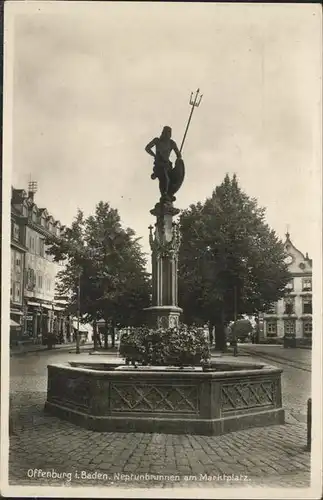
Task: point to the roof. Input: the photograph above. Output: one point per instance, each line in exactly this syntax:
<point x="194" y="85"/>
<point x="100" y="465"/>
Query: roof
<point x="288" y="243"/>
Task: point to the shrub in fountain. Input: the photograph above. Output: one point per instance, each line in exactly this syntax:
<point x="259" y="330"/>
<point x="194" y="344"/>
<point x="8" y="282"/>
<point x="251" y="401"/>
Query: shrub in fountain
<point x="180" y="346"/>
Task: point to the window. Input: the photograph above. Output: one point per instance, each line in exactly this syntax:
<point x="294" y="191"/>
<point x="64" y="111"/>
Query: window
<point x="17" y="292"/>
<point x="31" y="243"/>
<point x="307" y="284"/>
<point x="289" y="305"/>
<point x="272" y="309"/>
<point x="40" y="281"/>
<point x="307" y="305"/>
<point x="290" y="285"/>
<point x="15" y="232"/>
<point x="289" y="327"/>
<point x="30" y="279"/>
<point x="271" y="329"/>
<point x="307" y="329"/>
<point x="41" y="247"/>
<point x="34" y="215"/>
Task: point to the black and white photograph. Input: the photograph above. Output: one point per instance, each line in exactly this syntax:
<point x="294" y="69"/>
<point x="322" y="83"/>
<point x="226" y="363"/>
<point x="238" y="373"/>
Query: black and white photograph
<point x="161" y="250"/>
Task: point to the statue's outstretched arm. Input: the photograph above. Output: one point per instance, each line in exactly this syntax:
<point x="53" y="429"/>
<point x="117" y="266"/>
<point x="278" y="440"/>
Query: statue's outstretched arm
<point x="151" y="145"/>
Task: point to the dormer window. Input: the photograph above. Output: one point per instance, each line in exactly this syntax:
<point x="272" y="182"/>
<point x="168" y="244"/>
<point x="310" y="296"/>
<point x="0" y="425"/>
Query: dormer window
<point x="34" y="215"/>
<point x="24" y="210"/>
<point x="50" y="222"/>
<point x="57" y="228"/>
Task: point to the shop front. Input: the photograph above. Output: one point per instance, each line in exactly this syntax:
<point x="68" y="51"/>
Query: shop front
<point x="35" y="322"/>
<point x="16" y="330"/>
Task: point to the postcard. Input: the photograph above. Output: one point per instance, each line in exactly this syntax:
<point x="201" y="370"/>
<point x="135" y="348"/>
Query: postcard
<point x="162" y="250"/>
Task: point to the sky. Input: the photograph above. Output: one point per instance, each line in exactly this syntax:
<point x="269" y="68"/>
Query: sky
<point x="90" y="84"/>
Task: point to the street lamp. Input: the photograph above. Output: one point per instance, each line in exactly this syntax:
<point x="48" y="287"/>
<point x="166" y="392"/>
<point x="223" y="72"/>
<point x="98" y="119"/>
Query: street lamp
<point x="78" y="312"/>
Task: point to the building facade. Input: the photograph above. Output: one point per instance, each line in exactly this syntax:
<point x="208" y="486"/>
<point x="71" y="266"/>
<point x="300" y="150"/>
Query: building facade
<point x="34" y="273"/>
<point x="290" y="319"/>
<point x="18" y="252"/>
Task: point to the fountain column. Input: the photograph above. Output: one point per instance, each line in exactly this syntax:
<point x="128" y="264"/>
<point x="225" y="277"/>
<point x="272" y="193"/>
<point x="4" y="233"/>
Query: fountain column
<point x="164" y="242"/>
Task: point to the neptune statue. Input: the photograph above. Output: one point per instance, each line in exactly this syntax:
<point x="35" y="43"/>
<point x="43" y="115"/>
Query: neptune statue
<point x="170" y="178"/>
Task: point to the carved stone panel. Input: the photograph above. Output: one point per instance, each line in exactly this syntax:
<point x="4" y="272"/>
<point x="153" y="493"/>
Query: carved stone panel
<point x="162" y="322"/>
<point x="154" y="398"/>
<point x="167" y="321"/>
<point x="173" y="321"/>
<point x="247" y="395"/>
<point x="71" y="390"/>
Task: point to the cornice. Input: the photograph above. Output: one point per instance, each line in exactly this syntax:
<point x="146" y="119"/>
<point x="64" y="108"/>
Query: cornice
<point x="40" y="229"/>
<point x="305" y="274"/>
<point x="18" y="245"/>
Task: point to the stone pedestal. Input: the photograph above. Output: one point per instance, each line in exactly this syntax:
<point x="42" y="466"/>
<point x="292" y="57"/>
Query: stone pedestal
<point x="164" y="243"/>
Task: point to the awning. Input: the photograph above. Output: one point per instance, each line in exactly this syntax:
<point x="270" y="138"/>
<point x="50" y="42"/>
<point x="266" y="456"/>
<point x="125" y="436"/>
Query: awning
<point x="46" y="306"/>
<point x="16" y="312"/>
<point x="57" y="308"/>
<point x="14" y="323"/>
<point x="82" y="328"/>
<point x="33" y="304"/>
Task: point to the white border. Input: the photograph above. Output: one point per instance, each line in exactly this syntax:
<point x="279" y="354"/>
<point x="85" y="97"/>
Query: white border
<point x="315" y="491"/>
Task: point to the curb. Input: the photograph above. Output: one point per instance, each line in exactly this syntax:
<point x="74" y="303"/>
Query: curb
<point x="271" y="356"/>
<point x="64" y="347"/>
<point x="43" y="349"/>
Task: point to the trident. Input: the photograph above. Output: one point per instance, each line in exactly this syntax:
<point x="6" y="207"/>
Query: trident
<point x="195" y="104"/>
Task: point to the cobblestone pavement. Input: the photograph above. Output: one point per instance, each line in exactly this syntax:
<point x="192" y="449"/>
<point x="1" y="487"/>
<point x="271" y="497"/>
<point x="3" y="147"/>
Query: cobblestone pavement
<point x="271" y="456"/>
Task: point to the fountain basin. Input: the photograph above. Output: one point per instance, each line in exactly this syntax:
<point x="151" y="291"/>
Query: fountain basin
<point x="107" y="397"/>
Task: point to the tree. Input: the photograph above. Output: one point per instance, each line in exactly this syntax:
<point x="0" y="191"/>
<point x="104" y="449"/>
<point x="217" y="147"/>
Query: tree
<point x="230" y="262"/>
<point x="108" y="262"/>
<point x="241" y="328"/>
